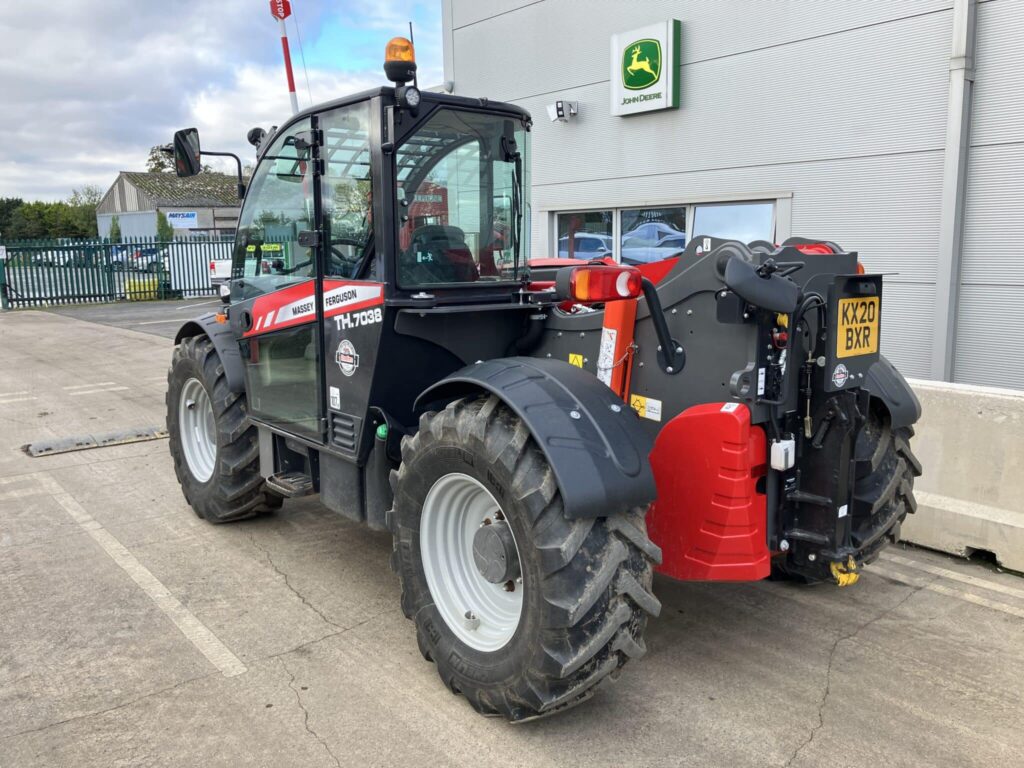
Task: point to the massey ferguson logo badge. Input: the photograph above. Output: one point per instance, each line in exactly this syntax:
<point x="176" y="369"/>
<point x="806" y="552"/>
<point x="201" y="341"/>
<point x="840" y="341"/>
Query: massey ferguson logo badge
<point x="840" y="375"/>
<point x="641" y="64"/>
<point x="346" y="357"/>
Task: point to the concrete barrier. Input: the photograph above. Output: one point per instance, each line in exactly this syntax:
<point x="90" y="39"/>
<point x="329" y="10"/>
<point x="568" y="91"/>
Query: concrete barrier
<point x="970" y="441"/>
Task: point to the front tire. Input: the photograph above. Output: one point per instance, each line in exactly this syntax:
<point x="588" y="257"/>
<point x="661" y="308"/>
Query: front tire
<point x="584" y="586"/>
<point x="214" y="446"/>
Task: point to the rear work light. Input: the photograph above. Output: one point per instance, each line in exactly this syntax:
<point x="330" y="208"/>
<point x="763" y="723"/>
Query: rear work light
<point x="598" y="283"/>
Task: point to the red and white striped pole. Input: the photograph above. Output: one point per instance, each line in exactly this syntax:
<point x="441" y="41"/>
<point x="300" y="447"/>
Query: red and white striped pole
<point x="281" y="10"/>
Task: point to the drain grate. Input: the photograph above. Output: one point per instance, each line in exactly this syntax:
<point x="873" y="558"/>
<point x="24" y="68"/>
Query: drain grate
<point x="87" y="442"/>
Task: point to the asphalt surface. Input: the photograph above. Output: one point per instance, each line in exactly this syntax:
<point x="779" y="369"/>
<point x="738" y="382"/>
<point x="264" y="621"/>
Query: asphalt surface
<point x="158" y="318"/>
<point x="133" y="633"/>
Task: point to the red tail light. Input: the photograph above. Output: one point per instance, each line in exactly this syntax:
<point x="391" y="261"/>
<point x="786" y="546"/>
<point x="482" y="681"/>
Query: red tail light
<point x="593" y="283"/>
<point x="213" y="266"/>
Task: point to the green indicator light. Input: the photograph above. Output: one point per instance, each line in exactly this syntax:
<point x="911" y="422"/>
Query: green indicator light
<point x="382" y="432"/>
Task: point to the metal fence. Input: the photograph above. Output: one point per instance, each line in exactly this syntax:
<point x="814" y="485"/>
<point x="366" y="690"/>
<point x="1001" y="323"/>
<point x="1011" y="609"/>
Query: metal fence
<point x="47" y="272"/>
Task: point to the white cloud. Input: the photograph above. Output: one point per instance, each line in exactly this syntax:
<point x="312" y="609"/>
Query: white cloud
<point x="90" y="86"/>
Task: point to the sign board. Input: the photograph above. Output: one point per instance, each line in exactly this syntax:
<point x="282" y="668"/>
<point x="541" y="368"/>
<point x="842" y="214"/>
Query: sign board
<point x="182" y="219"/>
<point x="280" y="9"/>
<point x="645" y="69"/>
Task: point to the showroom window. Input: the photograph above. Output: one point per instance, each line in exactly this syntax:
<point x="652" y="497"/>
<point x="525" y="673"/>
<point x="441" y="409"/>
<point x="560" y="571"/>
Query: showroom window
<point x="643" y="235"/>
<point x="736" y="221"/>
<point x="585" y="234"/>
<point x="651" y="234"/>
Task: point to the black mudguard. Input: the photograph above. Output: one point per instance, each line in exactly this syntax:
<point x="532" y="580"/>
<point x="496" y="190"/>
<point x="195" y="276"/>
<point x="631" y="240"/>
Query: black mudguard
<point x="888" y="385"/>
<point x="593" y="441"/>
<point x="224" y="342"/>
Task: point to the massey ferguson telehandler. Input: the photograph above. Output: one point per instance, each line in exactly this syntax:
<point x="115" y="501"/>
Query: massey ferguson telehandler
<point x="538" y="439"/>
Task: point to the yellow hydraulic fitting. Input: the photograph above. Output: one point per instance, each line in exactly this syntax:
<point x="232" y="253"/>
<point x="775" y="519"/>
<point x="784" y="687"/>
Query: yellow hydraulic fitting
<point x="846" y="573"/>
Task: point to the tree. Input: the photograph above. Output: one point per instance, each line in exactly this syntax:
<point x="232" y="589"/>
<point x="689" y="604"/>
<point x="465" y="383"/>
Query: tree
<point x="8" y="205"/>
<point x="164" y="230"/>
<point x="115" y="230"/>
<point x="89" y="195"/>
<point x="159" y="161"/>
<point x="33" y="221"/>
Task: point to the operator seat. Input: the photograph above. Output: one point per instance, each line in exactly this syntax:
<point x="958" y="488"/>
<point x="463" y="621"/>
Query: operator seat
<point x="442" y="250"/>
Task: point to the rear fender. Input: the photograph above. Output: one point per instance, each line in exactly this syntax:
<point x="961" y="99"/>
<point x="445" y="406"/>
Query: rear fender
<point x="888" y="385"/>
<point x="224" y="342"/>
<point x="594" y="443"/>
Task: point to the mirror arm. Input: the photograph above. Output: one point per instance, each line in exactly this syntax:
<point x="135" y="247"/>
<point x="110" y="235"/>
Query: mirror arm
<point x="238" y="162"/>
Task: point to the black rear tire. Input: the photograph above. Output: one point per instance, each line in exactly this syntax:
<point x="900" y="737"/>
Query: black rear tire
<point x="586" y="583"/>
<point x="883" y="493"/>
<point x="236" y="490"/>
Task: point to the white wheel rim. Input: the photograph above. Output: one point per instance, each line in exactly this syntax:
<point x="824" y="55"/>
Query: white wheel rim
<point x="455" y="508"/>
<point x="198" y="430"/>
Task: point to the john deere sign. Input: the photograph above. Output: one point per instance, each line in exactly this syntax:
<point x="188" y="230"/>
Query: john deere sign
<point x="645" y="69"/>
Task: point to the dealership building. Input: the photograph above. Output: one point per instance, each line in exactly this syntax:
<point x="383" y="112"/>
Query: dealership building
<point x="895" y="129"/>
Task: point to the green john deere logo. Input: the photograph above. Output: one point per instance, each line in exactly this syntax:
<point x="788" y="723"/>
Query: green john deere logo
<point x="641" y="64"/>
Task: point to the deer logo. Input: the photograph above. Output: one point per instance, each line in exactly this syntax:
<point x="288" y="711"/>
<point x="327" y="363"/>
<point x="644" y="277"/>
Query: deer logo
<point x="641" y="64"/>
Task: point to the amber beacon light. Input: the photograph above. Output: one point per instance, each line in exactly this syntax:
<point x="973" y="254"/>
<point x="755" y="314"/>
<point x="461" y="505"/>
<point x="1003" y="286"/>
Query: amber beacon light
<point x="399" y="60"/>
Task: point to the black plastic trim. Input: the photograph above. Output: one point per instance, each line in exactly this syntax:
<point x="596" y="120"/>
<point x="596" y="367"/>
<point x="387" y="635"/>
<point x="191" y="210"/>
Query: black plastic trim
<point x="224" y="342"/>
<point x="888" y="385"/>
<point x="599" y="456"/>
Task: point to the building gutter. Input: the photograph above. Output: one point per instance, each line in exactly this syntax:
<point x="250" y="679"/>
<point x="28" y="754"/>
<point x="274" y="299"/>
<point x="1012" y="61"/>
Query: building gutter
<point x="954" y="187"/>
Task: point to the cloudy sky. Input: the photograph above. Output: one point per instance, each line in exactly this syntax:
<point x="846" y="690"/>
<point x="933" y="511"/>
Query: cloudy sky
<point x="90" y="85"/>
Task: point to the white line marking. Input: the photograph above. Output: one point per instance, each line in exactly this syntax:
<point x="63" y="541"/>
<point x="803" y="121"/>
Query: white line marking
<point x="14" y="394"/>
<point x="977" y="600"/>
<point x="200" y="304"/>
<point x="94" y="391"/>
<point x="942" y="589"/>
<point x="96" y="384"/>
<point x="158" y="322"/>
<point x="192" y="628"/>
<point x="16" y="400"/>
<point x="955" y="576"/>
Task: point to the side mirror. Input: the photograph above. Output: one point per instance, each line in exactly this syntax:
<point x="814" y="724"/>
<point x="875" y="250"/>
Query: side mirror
<point x="187" y="160"/>
<point x="772" y="291"/>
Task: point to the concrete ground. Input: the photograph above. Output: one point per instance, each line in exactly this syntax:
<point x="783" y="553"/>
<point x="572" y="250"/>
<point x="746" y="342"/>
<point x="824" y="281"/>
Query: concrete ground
<point x="133" y="633"/>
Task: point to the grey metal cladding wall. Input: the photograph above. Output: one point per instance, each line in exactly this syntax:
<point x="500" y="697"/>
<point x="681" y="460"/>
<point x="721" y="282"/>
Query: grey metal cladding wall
<point x="842" y="104"/>
<point x="869" y="91"/>
<point x="547" y="46"/>
<point x="990" y="320"/>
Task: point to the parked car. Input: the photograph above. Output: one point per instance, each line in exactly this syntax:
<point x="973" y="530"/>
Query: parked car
<point x="587" y="245"/>
<point x="150" y="259"/>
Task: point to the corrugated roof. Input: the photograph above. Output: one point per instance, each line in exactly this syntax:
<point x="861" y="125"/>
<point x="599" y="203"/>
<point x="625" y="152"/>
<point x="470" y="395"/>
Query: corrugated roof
<point x="203" y="190"/>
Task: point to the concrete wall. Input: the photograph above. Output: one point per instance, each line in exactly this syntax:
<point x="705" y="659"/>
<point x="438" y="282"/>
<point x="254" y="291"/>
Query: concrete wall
<point x="971" y="496"/>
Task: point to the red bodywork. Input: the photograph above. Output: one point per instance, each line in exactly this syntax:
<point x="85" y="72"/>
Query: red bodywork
<point x="709" y="518"/>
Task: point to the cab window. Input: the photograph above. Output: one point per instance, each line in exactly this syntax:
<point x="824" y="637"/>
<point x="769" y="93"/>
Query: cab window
<point x="278" y="206"/>
<point x="461" y="200"/>
<point x="346" y="191"/>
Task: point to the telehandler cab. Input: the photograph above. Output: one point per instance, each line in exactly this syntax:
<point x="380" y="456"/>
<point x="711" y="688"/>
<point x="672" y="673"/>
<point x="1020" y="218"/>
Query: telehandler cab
<point x="537" y="438"/>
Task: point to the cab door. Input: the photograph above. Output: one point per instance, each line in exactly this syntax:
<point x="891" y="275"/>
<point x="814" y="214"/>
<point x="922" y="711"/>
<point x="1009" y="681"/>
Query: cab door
<point x="274" y="288"/>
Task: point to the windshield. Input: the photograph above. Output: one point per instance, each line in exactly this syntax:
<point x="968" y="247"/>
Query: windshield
<point x="461" y="200"/>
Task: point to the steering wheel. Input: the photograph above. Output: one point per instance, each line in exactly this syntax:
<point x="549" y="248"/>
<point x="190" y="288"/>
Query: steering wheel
<point x="339" y="261"/>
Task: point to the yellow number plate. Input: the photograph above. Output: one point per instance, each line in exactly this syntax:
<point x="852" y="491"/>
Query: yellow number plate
<point x="858" y="327"/>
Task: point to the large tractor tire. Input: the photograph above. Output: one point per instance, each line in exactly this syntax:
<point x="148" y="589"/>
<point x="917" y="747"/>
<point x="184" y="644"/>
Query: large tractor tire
<point x="883" y="493"/>
<point x="214" y="446"/>
<point x="523" y="610"/>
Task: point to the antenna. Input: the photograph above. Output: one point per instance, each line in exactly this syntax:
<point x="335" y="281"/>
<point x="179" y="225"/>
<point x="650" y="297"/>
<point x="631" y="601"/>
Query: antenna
<point x="415" y="80"/>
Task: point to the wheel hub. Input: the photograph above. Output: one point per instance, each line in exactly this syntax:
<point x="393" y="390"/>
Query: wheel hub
<point x="198" y="430"/>
<point x="473" y="573"/>
<point x="494" y="552"/>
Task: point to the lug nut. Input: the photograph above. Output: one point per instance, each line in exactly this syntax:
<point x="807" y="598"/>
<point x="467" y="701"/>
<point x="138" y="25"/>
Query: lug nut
<point x="472" y="622"/>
